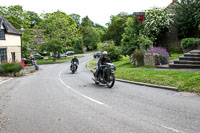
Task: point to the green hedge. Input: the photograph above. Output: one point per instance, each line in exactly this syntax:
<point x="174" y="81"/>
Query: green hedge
<point x="190" y="43"/>
<point x="11" y="67"/>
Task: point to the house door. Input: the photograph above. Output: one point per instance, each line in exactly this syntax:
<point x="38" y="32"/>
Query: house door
<point x="13" y="56"/>
<point x="3" y="54"/>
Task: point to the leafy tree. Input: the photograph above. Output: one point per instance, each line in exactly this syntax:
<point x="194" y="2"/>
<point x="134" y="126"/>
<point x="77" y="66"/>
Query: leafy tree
<point x="91" y="33"/>
<point x="188" y="18"/>
<point x="15" y="15"/>
<point x="114" y="52"/>
<point x="157" y="22"/>
<point x="90" y="37"/>
<point x="87" y="22"/>
<point x="76" y="18"/>
<point x="116" y="28"/>
<point x="59" y="31"/>
<point x="33" y="19"/>
<point x="130" y="37"/>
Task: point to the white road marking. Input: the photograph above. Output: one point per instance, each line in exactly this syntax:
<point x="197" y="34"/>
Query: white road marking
<point x="172" y="129"/>
<point x="89" y="98"/>
<point x="5" y="81"/>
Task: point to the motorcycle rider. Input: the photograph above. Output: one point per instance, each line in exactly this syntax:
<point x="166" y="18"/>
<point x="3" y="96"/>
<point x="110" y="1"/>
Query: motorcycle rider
<point x="102" y="61"/>
<point x="75" y="59"/>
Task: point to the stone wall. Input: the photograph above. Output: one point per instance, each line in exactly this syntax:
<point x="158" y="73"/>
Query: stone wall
<point x="151" y="59"/>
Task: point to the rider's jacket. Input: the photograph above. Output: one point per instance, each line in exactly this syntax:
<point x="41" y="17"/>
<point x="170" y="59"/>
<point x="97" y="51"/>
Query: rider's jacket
<point x="74" y="60"/>
<point x="103" y="61"/>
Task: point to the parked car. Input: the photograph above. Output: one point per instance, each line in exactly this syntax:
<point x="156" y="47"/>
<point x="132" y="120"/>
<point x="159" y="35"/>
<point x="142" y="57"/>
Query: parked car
<point x="69" y="53"/>
<point x="63" y="55"/>
<point x="36" y="56"/>
<point x="97" y="54"/>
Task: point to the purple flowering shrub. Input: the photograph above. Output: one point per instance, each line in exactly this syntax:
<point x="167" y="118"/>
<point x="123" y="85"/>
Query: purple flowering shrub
<point x="164" y="55"/>
<point x="158" y="50"/>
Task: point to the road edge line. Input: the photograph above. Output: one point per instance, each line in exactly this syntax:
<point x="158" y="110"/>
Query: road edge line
<point x="4" y="81"/>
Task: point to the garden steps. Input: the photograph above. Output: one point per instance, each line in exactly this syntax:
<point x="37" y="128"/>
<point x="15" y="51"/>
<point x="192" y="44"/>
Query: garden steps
<point x="189" y="60"/>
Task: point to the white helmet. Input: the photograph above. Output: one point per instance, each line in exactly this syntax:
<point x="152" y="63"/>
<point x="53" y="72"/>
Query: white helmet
<point x="105" y="53"/>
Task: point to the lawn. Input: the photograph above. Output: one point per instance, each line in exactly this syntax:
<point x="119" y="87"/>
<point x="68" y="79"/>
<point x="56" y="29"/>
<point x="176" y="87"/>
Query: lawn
<point x="174" y="55"/>
<point x="50" y="61"/>
<point x="184" y="81"/>
<point x="125" y="62"/>
<point x="92" y="63"/>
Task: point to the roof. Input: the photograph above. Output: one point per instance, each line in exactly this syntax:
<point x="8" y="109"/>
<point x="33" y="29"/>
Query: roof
<point x="139" y="13"/>
<point x="10" y="29"/>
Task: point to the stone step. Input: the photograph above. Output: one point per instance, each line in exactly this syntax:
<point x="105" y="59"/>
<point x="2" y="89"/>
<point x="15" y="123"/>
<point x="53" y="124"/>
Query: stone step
<point x="191" y="55"/>
<point x="192" y="66"/>
<point x="186" y="62"/>
<point x="195" y="52"/>
<point x="189" y="58"/>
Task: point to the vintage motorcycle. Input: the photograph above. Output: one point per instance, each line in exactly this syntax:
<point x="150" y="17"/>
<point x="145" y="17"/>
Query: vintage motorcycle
<point x="107" y="76"/>
<point x="74" y="67"/>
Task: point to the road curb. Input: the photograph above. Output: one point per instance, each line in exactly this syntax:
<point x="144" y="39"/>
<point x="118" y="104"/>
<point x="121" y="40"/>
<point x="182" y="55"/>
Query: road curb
<point x="143" y="84"/>
<point x="149" y="85"/>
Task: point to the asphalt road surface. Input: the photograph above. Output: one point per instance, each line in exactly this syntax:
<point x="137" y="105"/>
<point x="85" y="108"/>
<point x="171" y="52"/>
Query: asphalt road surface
<point x="53" y="100"/>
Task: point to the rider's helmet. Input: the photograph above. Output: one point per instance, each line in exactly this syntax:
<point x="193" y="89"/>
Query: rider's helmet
<point x="105" y="53"/>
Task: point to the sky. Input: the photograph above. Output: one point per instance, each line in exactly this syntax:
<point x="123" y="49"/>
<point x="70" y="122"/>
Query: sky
<point x="99" y="11"/>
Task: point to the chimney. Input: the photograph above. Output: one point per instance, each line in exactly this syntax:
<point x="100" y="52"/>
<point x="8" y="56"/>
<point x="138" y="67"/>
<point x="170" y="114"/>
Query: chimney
<point x="173" y="1"/>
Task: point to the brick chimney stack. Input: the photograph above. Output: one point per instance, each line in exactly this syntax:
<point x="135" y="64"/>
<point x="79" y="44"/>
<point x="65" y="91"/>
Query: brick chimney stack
<point x="173" y="1"/>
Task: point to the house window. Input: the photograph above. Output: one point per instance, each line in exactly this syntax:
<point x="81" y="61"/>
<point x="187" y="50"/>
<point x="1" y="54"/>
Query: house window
<point x="13" y="56"/>
<point x="3" y="54"/>
<point x="2" y="35"/>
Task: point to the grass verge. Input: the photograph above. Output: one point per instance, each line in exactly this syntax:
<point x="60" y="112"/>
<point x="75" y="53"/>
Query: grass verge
<point x="50" y="61"/>
<point x="184" y="81"/>
<point x="174" y="55"/>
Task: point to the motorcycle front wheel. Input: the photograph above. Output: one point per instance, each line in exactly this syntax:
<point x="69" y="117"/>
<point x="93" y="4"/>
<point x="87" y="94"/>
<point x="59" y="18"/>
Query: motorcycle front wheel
<point x="110" y="81"/>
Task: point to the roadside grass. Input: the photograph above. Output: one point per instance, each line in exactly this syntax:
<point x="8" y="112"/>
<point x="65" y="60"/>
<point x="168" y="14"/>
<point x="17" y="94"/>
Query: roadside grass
<point x="50" y="61"/>
<point x="125" y="62"/>
<point x="92" y="63"/>
<point x="175" y="55"/>
<point x="184" y="81"/>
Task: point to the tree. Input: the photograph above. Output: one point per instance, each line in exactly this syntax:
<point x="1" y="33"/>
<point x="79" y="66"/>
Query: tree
<point x="157" y="22"/>
<point x="114" y="52"/>
<point x="76" y="18"/>
<point x="33" y="19"/>
<point x="90" y="37"/>
<point x="87" y="22"/>
<point x="59" y="31"/>
<point x="91" y="33"/>
<point x="15" y="15"/>
<point x="130" y="37"/>
<point x="187" y="18"/>
<point x="116" y="28"/>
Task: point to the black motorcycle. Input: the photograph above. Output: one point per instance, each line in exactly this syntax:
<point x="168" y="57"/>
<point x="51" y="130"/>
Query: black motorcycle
<point x="74" y="67"/>
<point x="107" y="76"/>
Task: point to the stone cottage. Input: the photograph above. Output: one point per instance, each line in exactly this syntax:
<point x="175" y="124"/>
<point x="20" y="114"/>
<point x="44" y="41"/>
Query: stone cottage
<point x="10" y="42"/>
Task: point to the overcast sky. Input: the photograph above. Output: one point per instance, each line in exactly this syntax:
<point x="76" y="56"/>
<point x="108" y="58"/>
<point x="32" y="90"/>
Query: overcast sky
<point x="99" y="11"/>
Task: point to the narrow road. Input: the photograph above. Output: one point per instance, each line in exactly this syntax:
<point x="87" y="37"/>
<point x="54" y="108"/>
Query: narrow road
<point x="53" y="100"/>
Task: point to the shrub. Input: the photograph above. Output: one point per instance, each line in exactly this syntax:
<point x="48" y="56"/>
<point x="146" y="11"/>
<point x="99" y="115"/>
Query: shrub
<point x="13" y="67"/>
<point x="175" y="50"/>
<point x="164" y="55"/>
<point x="190" y="43"/>
<point x="144" y="43"/>
<point x="138" y="56"/>
<point x="114" y="52"/>
<point x="28" y="62"/>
